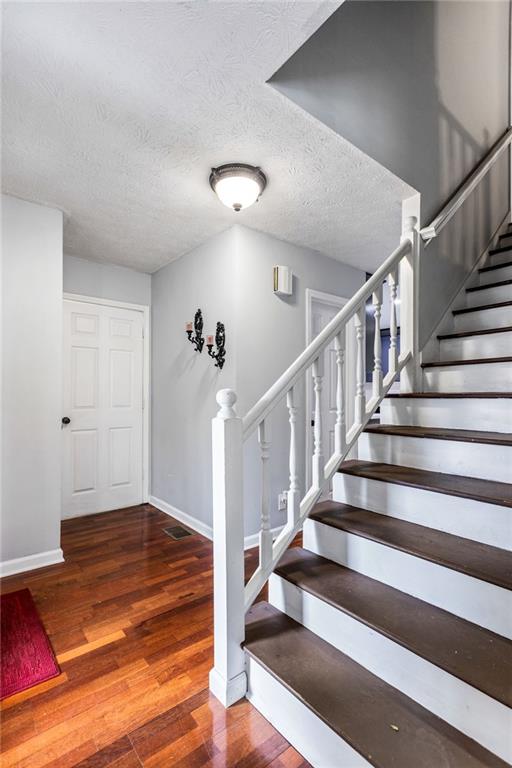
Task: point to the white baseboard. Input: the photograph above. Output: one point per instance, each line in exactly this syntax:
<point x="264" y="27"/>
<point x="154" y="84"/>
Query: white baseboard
<point x="31" y="562"/>
<point x="183" y="517"/>
<point x="198" y="525"/>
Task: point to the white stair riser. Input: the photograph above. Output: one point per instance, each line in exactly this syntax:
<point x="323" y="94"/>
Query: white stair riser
<point x="469" y="710"/>
<point x="310" y="736"/>
<point x="501" y="258"/>
<point x="476" y="520"/>
<point x="489" y="295"/>
<point x="495" y="275"/>
<point x="489" y="462"/>
<point x="491" y="414"/>
<point x="485" y="318"/>
<point x="472" y="599"/>
<point x="476" y="347"/>
<point x="482" y="377"/>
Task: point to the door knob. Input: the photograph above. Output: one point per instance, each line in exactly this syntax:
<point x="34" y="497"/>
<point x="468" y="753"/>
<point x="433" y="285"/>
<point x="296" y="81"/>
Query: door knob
<point x="66" y="420"/>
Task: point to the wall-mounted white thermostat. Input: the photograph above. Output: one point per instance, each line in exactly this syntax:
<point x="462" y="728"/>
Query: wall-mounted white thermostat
<point x="283" y="281"/>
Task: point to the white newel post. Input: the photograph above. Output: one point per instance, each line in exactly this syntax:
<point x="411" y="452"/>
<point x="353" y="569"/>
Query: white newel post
<point x="228" y="681"/>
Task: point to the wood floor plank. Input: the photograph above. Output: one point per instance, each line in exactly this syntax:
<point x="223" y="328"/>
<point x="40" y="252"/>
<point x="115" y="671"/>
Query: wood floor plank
<point x="88" y="647"/>
<point x="130" y="615"/>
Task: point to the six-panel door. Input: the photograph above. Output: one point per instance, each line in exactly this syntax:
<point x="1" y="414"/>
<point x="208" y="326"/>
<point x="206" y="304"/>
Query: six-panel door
<point x="103" y="398"/>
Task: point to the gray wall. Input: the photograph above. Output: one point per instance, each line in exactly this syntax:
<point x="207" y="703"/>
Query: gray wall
<point x="184" y="382"/>
<point x="106" y="281"/>
<point x="31" y="378"/>
<point x="230" y="278"/>
<point x="422" y="87"/>
<point x="271" y="333"/>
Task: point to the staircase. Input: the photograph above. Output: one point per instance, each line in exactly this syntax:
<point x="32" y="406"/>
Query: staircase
<point x="386" y="639"/>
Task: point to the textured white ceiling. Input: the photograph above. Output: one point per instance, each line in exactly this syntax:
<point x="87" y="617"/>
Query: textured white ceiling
<point x="116" y="112"/>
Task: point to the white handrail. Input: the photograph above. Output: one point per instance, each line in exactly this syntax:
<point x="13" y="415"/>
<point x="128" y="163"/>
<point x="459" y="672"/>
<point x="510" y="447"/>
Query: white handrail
<point x="278" y="390"/>
<point x="455" y="202"/>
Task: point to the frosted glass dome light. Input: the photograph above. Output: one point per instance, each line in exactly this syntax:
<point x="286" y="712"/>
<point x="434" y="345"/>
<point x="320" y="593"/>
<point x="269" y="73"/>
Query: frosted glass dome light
<point x="238" y="185"/>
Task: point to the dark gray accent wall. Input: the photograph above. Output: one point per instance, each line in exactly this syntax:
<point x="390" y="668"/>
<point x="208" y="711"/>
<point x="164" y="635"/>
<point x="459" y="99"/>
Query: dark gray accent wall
<point x="423" y="88"/>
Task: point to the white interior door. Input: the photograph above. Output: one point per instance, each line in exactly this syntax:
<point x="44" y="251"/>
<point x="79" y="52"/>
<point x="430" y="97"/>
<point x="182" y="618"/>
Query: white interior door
<point x="103" y="400"/>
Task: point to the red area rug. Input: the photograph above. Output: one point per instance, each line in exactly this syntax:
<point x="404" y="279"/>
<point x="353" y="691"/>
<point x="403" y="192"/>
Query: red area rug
<point x="26" y="654"/>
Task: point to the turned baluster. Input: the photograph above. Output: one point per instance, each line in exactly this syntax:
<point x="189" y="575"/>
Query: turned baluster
<point x="293" y="493"/>
<point x="265" y="531"/>
<point x="360" y="399"/>
<point x="377" y="346"/>
<point x="339" y="427"/>
<point x="318" y="456"/>
<point x="393" y="329"/>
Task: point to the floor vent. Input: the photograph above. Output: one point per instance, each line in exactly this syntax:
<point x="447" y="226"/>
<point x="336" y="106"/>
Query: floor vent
<point x="177" y="532"/>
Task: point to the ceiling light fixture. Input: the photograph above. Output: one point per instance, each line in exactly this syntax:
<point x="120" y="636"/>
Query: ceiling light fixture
<point x="238" y="185"/>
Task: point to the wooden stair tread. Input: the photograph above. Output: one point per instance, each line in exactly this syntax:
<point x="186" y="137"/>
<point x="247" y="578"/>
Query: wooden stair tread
<point x="483" y="332"/>
<point x="475" y="361"/>
<point x="492" y="267"/>
<point x="487" y="491"/>
<point x="475" y="655"/>
<point x="498" y="284"/>
<point x="497" y="305"/>
<point x="452" y="395"/>
<point x="438" y="433"/>
<point x="500" y="249"/>
<point x="466" y="556"/>
<point x="378" y="721"/>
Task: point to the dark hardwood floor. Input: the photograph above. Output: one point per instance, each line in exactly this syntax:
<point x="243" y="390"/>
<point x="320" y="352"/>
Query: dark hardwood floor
<point x="129" y="615"/>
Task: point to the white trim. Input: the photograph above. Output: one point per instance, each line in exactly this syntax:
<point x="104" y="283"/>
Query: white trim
<point x="253" y="540"/>
<point x="468" y="597"/>
<point x="146" y="372"/>
<point x="466" y="708"/>
<point x="203" y="528"/>
<point x="330" y="300"/>
<point x="319" y="744"/>
<point x="431" y="350"/>
<point x="104" y="302"/>
<point x="230" y="691"/>
<point x="191" y="522"/>
<point x="31" y="562"/>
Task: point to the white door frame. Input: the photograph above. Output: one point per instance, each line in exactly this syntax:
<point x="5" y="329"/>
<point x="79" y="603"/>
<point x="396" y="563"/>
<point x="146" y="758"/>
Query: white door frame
<point x="330" y="300"/>
<point x="146" y="367"/>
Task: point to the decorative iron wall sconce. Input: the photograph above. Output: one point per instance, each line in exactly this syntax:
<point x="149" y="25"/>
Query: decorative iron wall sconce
<point x="197" y="339"/>
<point x="220" y="341"/>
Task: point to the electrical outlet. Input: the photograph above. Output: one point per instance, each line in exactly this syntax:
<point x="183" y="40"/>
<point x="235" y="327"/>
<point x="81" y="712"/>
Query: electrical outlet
<point x="282" y="501"/>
